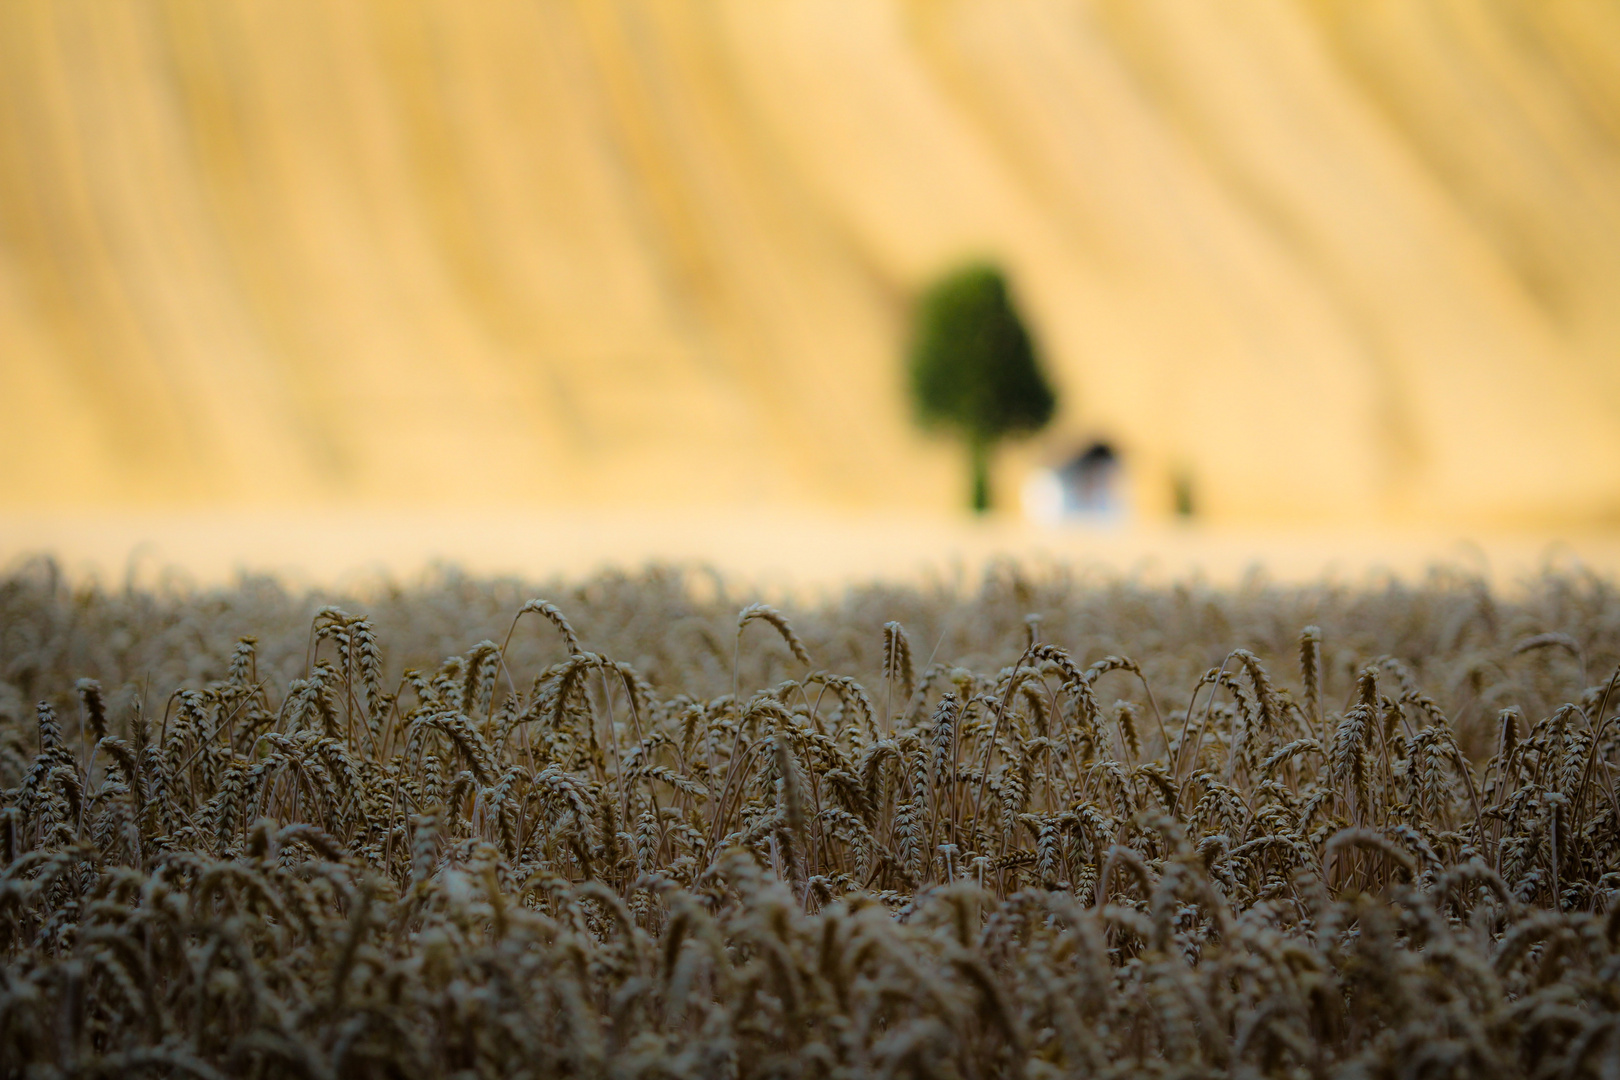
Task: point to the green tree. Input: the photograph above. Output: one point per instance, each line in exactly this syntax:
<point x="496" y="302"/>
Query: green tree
<point x="973" y="369"/>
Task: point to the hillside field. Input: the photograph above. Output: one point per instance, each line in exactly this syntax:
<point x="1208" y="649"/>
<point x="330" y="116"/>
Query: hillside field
<point x="1335" y="261"/>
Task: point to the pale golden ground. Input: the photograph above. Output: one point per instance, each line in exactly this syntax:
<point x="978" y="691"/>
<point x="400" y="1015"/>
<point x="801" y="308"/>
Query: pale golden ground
<point x="777" y="554"/>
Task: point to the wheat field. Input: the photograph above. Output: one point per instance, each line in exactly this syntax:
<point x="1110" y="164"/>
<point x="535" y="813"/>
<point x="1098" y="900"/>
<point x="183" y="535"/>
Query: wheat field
<point x="1052" y="825"/>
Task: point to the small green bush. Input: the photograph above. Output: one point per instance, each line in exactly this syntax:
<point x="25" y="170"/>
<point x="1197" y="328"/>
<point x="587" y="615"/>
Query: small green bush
<point x="973" y="368"/>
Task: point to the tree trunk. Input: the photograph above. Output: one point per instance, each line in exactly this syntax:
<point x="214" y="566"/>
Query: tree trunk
<point x="979" y="463"/>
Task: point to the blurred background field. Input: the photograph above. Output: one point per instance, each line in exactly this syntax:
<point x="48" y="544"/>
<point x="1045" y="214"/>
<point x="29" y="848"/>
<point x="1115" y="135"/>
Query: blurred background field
<point x="542" y="285"/>
<point x="798" y="558"/>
